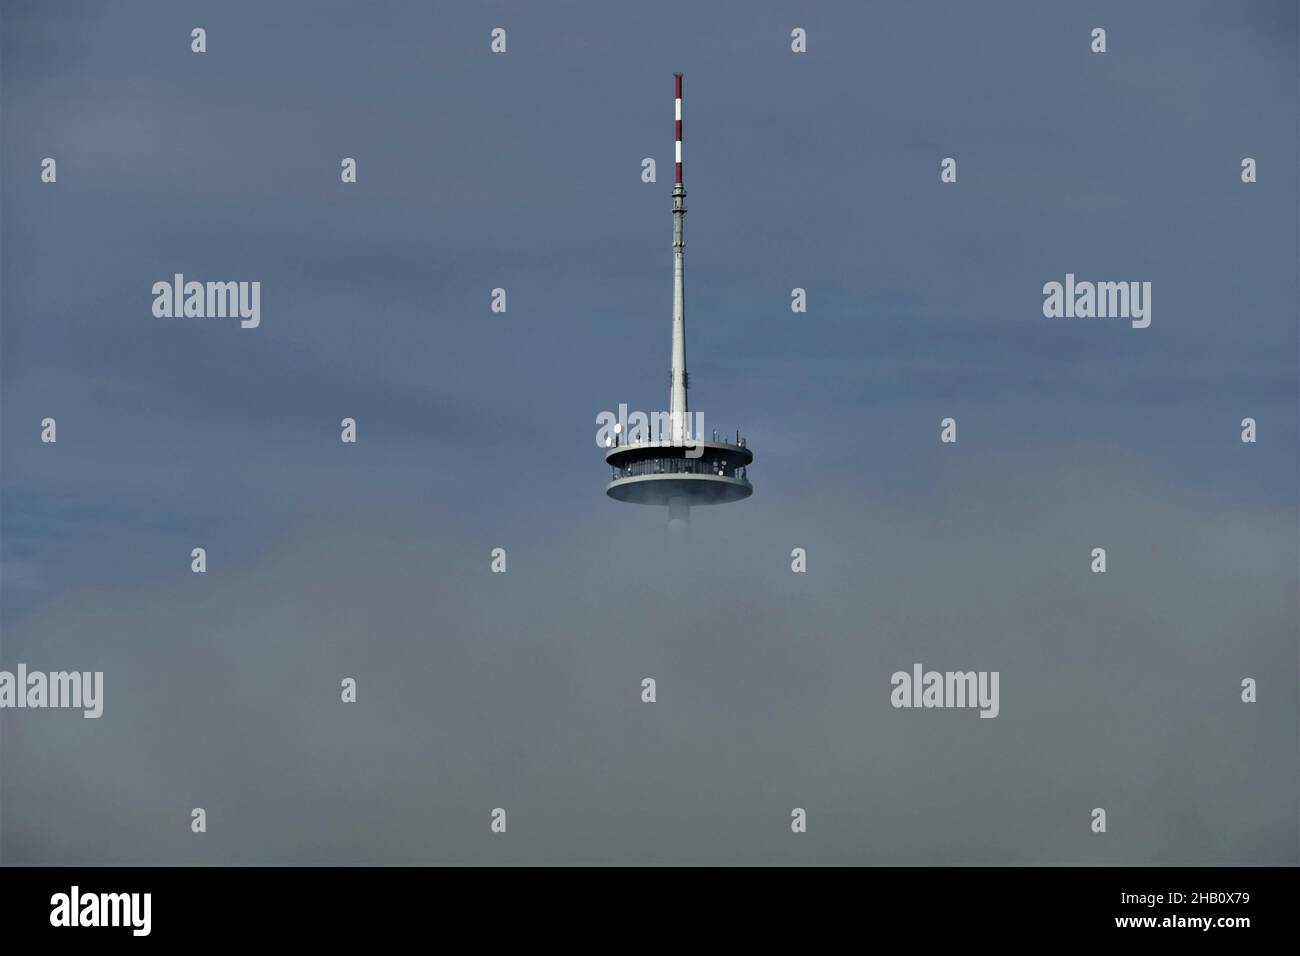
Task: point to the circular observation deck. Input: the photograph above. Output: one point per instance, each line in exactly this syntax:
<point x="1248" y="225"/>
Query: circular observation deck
<point x="707" y="473"/>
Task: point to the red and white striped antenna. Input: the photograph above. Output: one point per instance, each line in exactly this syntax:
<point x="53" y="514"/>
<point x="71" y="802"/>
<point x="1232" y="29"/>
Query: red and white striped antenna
<point x="677" y="402"/>
<point x="678" y="77"/>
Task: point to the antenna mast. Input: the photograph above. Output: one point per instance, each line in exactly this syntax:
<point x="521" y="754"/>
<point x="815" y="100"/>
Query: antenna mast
<point x="678" y="412"/>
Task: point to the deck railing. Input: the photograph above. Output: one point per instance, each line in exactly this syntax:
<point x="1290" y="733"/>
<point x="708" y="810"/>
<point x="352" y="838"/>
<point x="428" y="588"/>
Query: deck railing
<point x="736" y="441"/>
<point x="680" y="466"/>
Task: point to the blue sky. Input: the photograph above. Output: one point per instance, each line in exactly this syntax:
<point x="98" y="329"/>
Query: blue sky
<point x="523" y="171"/>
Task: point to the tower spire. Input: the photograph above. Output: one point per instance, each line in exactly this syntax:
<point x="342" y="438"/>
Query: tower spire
<point x="678" y="413"/>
